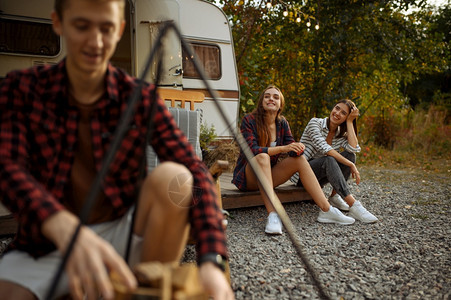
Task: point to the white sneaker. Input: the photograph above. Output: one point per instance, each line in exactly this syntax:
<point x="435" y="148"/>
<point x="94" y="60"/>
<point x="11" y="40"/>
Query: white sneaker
<point x="273" y="225"/>
<point x="358" y="212"/>
<point x="338" y="202"/>
<point x="334" y="215"/>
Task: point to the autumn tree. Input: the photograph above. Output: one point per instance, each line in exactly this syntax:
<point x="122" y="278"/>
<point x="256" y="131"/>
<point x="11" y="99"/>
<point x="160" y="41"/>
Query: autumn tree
<point x="363" y="50"/>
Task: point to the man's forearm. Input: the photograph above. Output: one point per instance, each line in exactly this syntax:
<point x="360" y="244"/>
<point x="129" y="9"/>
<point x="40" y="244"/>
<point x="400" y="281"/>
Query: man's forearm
<point x="59" y="228"/>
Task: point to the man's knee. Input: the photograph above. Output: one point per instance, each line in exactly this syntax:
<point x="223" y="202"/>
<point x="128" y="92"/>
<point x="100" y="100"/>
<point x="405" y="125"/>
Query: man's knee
<point x="172" y="183"/>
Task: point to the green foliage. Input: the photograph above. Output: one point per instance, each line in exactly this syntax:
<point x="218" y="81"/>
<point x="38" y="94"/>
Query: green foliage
<point x="427" y="131"/>
<point x="434" y="87"/>
<point x="373" y="155"/>
<point x="363" y="48"/>
<point x="416" y="138"/>
<point x="381" y="129"/>
<point x="207" y="135"/>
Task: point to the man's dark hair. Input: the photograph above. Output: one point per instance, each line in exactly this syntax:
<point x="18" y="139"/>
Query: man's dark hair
<point x="60" y="5"/>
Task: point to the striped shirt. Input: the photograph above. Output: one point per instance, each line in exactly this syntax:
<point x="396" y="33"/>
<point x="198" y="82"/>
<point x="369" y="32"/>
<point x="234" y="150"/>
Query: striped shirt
<point x="314" y="139"/>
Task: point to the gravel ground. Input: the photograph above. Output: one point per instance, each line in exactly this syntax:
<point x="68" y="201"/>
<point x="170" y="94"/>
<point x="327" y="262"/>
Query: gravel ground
<point x="406" y="255"/>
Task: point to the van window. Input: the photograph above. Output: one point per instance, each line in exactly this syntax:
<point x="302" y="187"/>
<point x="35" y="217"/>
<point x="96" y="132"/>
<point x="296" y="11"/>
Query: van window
<point x="210" y="59"/>
<point x="26" y="37"/>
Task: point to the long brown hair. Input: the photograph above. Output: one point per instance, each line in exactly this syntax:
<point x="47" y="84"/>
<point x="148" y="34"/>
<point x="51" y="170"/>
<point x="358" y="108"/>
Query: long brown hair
<point x="343" y="126"/>
<point x="264" y="136"/>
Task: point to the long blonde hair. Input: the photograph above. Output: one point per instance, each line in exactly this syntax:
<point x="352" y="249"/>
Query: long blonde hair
<point x="264" y="136"/>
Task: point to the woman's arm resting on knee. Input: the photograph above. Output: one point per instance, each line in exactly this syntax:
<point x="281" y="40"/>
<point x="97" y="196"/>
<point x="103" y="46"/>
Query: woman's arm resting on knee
<point x="295" y="147"/>
<point x="343" y="160"/>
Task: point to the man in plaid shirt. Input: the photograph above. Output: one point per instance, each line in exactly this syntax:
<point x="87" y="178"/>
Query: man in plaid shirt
<point x="56" y="126"/>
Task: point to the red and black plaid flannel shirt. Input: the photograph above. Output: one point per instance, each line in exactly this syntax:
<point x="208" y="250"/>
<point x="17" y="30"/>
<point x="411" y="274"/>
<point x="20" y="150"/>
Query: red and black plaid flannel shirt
<point x="38" y="134"/>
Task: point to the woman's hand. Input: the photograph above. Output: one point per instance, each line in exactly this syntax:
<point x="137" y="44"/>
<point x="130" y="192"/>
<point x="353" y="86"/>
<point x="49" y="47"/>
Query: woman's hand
<point x="353" y="114"/>
<point x="295" y="147"/>
<point x="355" y="173"/>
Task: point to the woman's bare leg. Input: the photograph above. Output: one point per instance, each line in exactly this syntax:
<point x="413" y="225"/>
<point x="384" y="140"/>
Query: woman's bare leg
<point x="333" y="193"/>
<point x="281" y="172"/>
<point x="11" y="290"/>
<point x="349" y="199"/>
<point x="263" y="160"/>
<point x="287" y="167"/>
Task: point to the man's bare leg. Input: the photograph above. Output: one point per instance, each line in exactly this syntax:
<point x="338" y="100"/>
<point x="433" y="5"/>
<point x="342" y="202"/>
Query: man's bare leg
<point x="162" y="213"/>
<point x="11" y="290"/>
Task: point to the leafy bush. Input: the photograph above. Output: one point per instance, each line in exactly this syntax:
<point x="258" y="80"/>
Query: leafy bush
<point x="421" y="140"/>
<point x="382" y="129"/>
<point x="426" y="131"/>
<point x="207" y="135"/>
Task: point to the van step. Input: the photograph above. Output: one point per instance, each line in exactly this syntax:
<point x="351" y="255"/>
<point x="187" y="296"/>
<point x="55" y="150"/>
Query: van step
<point x="233" y="198"/>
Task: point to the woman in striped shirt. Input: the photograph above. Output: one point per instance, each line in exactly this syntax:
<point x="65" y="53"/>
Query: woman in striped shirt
<point x="330" y="147"/>
<point x="268" y="135"/>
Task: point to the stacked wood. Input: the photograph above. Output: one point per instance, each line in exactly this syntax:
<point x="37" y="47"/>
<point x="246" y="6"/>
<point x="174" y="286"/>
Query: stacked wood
<point x="163" y="281"/>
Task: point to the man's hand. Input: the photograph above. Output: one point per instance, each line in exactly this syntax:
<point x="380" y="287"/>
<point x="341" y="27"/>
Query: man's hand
<point x="214" y="282"/>
<point x="91" y="258"/>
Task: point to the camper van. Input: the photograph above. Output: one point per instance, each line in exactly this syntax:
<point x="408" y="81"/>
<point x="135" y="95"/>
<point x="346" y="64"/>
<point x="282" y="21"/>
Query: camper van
<point x="27" y="39"/>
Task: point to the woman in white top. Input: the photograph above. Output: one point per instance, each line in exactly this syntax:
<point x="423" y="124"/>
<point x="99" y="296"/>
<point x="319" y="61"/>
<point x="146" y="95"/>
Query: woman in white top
<point x="330" y="147"/>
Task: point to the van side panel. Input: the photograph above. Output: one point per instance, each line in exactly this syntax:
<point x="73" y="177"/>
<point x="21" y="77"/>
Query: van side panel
<point x="38" y="12"/>
<point x="200" y="22"/>
<point x="211" y="26"/>
<point x="149" y="15"/>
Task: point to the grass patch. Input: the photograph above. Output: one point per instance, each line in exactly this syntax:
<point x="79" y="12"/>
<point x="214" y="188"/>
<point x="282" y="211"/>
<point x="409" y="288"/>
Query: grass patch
<point x="420" y="217"/>
<point x="425" y="202"/>
<point x="377" y="156"/>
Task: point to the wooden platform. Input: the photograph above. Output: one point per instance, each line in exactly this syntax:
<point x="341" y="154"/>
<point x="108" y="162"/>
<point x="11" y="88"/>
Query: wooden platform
<point x="233" y="198"/>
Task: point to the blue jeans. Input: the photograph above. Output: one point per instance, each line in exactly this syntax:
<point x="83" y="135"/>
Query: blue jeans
<point x="328" y="170"/>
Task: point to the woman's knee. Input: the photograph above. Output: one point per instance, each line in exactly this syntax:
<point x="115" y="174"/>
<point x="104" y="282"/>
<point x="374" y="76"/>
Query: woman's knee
<point x="330" y="161"/>
<point x="348" y="155"/>
<point x="263" y="159"/>
<point x="300" y="162"/>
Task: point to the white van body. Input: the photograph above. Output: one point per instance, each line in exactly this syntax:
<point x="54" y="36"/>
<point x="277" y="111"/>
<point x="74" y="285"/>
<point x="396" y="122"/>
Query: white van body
<point x="201" y="23"/>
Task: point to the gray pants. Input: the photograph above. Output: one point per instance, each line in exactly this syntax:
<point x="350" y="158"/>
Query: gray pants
<point x="328" y="170"/>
